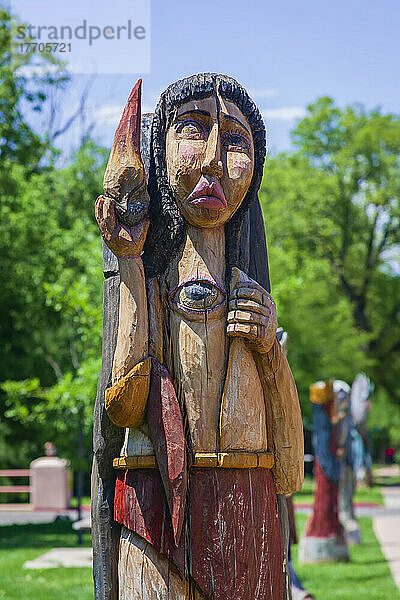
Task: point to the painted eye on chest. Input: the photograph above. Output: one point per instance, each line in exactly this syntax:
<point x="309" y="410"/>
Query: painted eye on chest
<point x="198" y="296"/>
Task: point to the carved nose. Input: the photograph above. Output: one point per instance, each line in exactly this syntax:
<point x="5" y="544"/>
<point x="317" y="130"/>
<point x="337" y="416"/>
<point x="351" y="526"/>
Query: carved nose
<point x="212" y="168"/>
<point x="212" y="164"/>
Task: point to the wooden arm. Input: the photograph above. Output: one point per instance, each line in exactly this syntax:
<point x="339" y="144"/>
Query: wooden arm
<point x="133" y="329"/>
<point x="284" y="424"/>
<point x="125" y="401"/>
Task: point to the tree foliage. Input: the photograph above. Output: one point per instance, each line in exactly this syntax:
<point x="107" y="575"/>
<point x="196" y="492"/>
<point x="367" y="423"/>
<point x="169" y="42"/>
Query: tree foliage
<point x="50" y="272"/>
<point x="51" y="289"/>
<point x="25" y="84"/>
<point x="332" y="213"/>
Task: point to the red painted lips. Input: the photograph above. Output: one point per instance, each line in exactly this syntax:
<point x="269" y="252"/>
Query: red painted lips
<point x="208" y="194"/>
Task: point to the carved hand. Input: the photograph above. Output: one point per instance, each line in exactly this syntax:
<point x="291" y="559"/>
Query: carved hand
<point x="121" y="240"/>
<point x="252" y="313"/>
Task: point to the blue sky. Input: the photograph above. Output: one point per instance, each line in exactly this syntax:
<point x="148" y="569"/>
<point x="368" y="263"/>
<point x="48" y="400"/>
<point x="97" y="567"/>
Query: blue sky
<point x="286" y="53"/>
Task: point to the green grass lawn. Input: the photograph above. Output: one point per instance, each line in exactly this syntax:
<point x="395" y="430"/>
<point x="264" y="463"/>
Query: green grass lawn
<point x="305" y="496"/>
<point x="366" y="577"/>
<point x="19" y="543"/>
<point x="84" y="502"/>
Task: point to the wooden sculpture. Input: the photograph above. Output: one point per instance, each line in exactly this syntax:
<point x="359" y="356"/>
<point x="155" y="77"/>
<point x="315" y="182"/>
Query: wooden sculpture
<point x="356" y="457"/>
<point x="323" y="538"/>
<point x="198" y="430"/>
<point x="361" y="391"/>
<point x="296" y="587"/>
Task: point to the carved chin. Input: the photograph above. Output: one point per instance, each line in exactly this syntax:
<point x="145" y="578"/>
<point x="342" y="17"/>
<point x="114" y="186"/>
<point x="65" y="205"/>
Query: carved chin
<point x="201" y="216"/>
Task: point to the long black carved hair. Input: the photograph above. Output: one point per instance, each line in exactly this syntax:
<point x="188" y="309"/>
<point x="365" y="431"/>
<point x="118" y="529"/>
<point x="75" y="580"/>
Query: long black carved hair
<point x="167" y="227"/>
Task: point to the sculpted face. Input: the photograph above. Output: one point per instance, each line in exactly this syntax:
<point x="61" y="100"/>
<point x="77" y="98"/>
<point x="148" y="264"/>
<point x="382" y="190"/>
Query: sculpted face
<point x="210" y="160"/>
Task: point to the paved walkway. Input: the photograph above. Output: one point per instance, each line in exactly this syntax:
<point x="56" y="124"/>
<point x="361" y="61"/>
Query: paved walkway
<point x="22" y="515"/>
<point x="62" y="557"/>
<point x="387" y="529"/>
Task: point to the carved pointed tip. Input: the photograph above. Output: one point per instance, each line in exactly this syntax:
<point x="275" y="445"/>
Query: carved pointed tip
<point x="137" y="89"/>
<point x="177" y="530"/>
<point x="125" y="157"/>
<point x="129" y="125"/>
<point x="133" y="105"/>
<point x="178" y="517"/>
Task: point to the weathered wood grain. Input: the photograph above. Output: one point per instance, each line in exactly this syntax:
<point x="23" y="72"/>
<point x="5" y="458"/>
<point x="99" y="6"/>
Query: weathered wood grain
<point x="133" y="327"/>
<point x="242" y="419"/>
<point x="233" y="530"/>
<point x="236" y="534"/>
<point x="198" y="340"/>
<point x="243" y="415"/>
<point x="107" y="437"/>
<point x="110" y="261"/>
<point x="107" y="442"/>
<point x="125" y="179"/>
<point x="167" y="434"/>
<point x="195" y="350"/>
<point x="145" y="573"/>
<point x="284" y="424"/>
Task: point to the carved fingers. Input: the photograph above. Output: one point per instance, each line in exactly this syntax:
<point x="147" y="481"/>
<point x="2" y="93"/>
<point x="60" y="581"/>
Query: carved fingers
<point x="252" y="315"/>
<point x="105" y="216"/>
<point x="121" y="240"/>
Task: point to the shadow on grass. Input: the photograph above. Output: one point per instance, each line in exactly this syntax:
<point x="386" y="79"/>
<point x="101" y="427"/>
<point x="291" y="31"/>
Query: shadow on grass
<point x="365" y="577"/>
<point x="40" y="535"/>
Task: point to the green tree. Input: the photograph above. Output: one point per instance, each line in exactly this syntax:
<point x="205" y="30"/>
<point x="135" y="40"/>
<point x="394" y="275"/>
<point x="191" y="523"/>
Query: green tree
<point x="25" y="83"/>
<point x="52" y="280"/>
<point x="332" y="212"/>
<point x="50" y="267"/>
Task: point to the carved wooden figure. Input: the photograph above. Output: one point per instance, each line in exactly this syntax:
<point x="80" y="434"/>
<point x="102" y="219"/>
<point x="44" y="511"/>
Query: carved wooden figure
<point x="361" y="391"/>
<point x="197" y="423"/>
<point x="296" y="587"/>
<point x="356" y="456"/>
<point x="323" y="538"/>
<point x="346" y="475"/>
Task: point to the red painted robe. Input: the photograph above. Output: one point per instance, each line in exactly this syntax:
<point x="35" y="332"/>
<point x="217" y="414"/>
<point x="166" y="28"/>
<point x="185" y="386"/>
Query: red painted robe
<point x="221" y="527"/>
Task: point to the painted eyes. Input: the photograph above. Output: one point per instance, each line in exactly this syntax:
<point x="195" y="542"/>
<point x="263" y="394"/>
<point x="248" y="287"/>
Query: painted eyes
<point x="235" y="142"/>
<point x="232" y="141"/>
<point x="198" y="296"/>
<point x="190" y="129"/>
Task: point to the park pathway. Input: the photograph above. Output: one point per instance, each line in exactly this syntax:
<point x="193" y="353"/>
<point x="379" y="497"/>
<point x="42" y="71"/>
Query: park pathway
<point x="387" y="529"/>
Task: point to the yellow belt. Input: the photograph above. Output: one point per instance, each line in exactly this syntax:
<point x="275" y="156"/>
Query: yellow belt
<point x="227" y="460"/>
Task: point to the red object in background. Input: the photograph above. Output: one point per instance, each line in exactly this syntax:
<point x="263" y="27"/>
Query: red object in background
<point x="389" y="456"/>
<point x="324" y="521"/>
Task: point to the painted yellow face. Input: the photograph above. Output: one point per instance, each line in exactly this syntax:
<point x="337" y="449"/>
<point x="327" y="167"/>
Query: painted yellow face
<point x="210" y="160"/>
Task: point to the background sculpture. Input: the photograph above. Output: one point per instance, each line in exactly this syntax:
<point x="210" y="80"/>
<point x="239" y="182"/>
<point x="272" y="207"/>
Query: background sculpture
<point x="323" y="538"/>
<point x="356" y="457"/>
<point x="202" y="428"/>
<point x="361" y="391"/>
